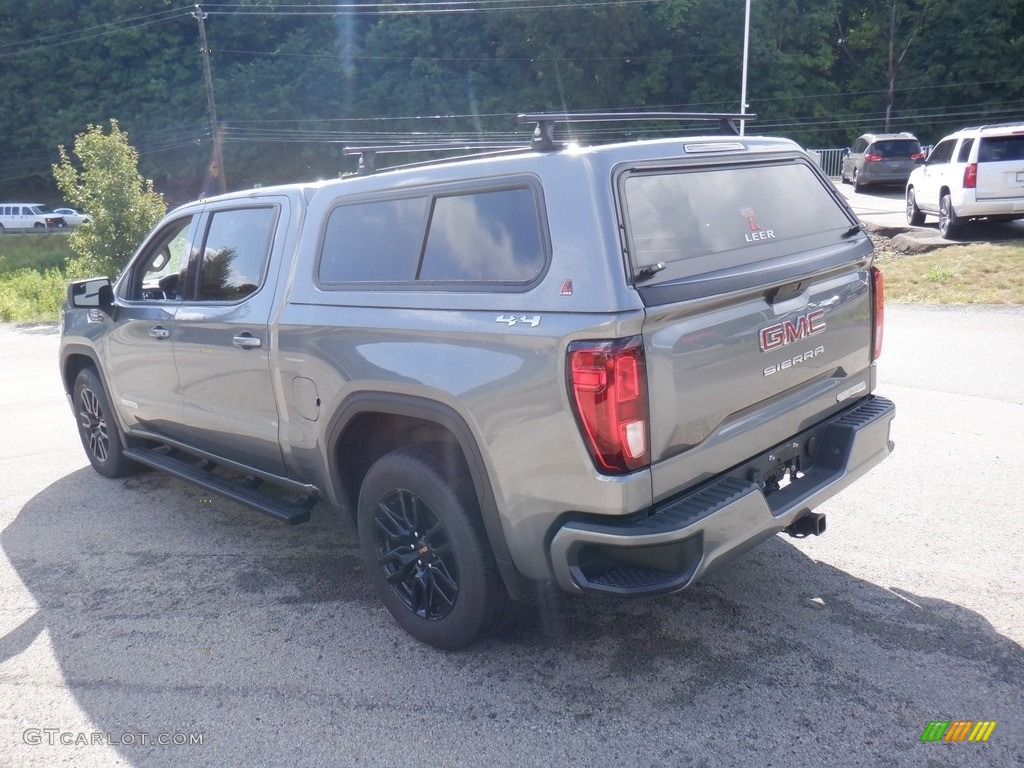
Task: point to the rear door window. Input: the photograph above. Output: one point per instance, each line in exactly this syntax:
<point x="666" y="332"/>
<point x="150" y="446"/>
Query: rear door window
<point x="682" y="222"/>
<point x="942" y="153"/>
<point x="235" y="252"/>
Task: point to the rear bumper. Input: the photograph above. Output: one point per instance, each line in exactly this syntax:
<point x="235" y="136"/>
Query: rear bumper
<point x="968" y="206"/>
<point x="671" y="548"/>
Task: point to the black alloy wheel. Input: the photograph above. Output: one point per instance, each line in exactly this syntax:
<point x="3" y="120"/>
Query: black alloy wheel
<point x="425" y="549"/>
<point x="100" y="435"/>
<point x="416" y="554"/>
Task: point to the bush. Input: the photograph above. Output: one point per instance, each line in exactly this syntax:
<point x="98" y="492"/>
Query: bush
<point x="123" y="205"/>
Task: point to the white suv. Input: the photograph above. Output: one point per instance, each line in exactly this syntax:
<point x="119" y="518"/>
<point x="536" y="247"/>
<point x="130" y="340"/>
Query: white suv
<point x="975" y="173"/>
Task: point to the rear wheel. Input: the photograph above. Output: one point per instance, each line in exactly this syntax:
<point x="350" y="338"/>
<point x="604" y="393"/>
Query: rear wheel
<point x="425" y="549"/>
<point x="857" y="186"/>
<point x="949" y="223"/>
<point x="915" y="217"/>
<point x="100" y="436"/>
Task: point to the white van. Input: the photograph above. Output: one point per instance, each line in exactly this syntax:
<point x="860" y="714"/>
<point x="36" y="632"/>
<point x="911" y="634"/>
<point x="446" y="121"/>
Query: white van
<point x="23" y="216"/>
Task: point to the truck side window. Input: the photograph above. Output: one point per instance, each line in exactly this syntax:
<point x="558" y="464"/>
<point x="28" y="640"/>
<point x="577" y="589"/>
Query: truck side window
<point x="942" y="153"/>
<point x="376" y="241"/>
<point x="156" y="275"/>
<point x="235" y="253"/>
<point x="492" y="236"/>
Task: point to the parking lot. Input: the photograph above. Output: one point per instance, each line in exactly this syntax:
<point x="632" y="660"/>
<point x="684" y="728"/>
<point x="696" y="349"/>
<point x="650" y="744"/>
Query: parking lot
<point x="140" y="610"/>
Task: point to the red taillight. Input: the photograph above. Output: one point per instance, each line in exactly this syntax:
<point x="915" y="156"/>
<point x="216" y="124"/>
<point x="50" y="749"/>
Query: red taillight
<point x="918" y="156"/>
<point x="971" y="176"/>
<point x="872" y="158"/>
<point x="878" y="291"/>
<point x="608" y="384"/>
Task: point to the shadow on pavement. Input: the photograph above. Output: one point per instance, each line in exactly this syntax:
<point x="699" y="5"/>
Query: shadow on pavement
<point x="168" y="613"/>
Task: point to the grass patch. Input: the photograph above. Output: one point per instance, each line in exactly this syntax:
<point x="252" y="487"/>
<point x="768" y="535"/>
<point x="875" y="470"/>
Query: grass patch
<point x="956" y="274"/>
<point x="38" y="252"/>
<point x="32" y="279"/>
<point x="27" y="296"/>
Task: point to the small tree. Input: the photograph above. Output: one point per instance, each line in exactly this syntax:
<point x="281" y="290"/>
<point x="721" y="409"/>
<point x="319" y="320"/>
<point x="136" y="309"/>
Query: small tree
<point x="122" y="204"/>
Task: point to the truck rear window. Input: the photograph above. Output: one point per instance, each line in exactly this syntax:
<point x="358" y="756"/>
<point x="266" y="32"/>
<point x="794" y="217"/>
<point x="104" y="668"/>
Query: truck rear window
<point x="710" y="219"/>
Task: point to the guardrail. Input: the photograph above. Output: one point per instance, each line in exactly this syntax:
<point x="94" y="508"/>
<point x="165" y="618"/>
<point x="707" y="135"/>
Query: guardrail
<point x="830" y="160"/>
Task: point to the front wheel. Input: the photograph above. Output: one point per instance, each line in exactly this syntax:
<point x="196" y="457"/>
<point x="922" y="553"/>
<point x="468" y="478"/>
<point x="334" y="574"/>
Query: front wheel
<point x="425" y="548"/>
<point x="915" y="217"/>
<point x="100" y="436"/>
<point x="949" y="223"/>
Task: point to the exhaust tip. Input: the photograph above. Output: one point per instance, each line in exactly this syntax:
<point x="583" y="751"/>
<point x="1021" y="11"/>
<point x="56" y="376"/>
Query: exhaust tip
<point x="811" y="524"/>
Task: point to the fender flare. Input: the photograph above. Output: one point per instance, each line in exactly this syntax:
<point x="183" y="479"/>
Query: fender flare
<point x="445" y="416"/>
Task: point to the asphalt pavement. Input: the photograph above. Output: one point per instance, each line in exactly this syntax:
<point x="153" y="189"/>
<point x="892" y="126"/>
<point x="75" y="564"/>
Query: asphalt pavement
<point x="139" y="611"/>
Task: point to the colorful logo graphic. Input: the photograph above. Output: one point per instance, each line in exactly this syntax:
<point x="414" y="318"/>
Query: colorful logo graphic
<point x="958" y="730"/>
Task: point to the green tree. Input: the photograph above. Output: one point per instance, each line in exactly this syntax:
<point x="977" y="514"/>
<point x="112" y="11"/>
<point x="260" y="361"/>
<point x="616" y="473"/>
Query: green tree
<point x="123" y="205"/>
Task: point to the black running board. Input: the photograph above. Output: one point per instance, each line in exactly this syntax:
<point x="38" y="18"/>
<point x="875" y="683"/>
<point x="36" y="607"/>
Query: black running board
<point x="245" y="491"/>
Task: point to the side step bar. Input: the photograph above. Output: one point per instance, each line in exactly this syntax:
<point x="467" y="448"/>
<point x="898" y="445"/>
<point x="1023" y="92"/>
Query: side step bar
<point x="245" y="491"/>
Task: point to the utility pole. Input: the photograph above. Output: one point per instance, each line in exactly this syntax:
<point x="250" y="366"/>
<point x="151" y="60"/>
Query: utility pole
<point x="217" y="162"/>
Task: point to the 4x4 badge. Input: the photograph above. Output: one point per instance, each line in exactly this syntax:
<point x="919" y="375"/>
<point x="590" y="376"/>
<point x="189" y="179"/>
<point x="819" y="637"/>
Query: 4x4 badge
<point x="511" y="320"/>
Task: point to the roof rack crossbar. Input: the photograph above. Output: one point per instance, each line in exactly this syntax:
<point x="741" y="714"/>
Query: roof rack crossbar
<point x="544" y="132"/>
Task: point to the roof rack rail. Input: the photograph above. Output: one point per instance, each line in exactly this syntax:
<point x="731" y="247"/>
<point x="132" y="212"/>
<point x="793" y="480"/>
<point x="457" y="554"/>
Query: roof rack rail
<point x="1010" y="124"/>
<point x="544" y="133"/>
<point x="368" y="155"/>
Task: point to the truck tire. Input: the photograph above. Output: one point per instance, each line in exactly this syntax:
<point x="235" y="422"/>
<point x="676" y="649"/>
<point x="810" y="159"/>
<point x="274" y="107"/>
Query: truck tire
<point x="100" y="435"/>
<point x="915" y="217"/>
<point x="949" y="223"/>
<point x="425" y="549"/>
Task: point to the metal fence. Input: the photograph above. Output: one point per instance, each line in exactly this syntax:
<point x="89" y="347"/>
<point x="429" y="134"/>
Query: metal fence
<point x="829" y="160"/>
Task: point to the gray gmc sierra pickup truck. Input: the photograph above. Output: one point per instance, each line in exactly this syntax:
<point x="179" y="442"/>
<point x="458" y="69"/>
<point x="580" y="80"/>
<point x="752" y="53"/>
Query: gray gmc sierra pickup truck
<point x="609" y="367"/>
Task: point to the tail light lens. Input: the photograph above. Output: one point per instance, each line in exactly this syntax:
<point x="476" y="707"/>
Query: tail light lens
<point x="971" y="176"/>
<point x="872" y="158"/>
<point x="918" y="156"/>
<point x="878" y="314"/>
<point x="608" y="384"/>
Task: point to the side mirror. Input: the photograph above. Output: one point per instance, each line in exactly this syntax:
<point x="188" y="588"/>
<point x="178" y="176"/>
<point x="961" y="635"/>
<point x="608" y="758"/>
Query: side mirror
<point x="96" y="292"/>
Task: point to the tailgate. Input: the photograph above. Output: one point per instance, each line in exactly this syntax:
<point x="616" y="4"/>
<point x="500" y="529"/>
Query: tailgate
<point x="756" y="282"/>
<point x="1001" y="168"/>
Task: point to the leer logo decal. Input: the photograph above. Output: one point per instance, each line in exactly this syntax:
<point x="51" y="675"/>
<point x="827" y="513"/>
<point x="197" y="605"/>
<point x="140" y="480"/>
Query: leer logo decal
<point x="757" y="232"/>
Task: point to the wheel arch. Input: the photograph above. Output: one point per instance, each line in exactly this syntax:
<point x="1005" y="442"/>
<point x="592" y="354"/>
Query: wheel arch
<point x="372" y="424"/>
<point x="75" y="357"/>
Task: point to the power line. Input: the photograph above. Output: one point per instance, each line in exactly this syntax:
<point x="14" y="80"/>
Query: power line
<point x="91" y="33"/>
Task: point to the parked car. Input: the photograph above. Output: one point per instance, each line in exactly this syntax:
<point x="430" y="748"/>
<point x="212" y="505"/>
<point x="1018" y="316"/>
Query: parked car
<point x="881" y="158"/>
<point x="72" y="217"/>
<point x="16" y="217"/>
<point x="494" y="384"/>
<point x="975" y="173"/>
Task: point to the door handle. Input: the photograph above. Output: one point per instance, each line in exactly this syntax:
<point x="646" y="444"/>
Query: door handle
<point x="245" y="341"/>
<point x="159" y="332"/>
